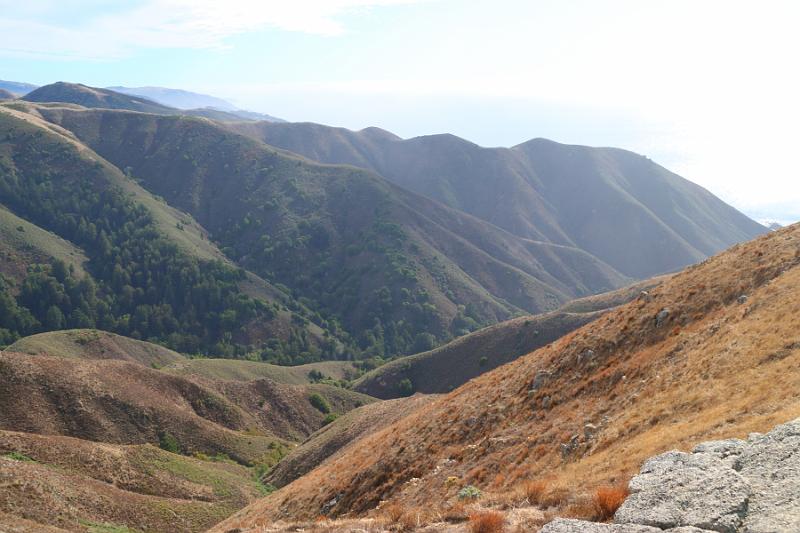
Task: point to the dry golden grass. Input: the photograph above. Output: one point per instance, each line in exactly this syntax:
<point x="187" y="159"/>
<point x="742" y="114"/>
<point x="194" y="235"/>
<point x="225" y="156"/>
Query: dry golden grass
<point x="732" y="368"/>
<point x="457" y="512"/>
<point x="414" y="518"/>
<point x="392" y="512"/>
<point x="534" y="491"/>
<point x="486" y="522"/>
<point x="607" y="500"/>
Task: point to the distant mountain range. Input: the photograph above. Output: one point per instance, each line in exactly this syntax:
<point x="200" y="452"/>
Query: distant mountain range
<point x="188" y="100"/>
<point x="196" y="103"/>
<point x="431" y="238"/>
<point x="17" y="88"/>
<point x="619" y="206"/>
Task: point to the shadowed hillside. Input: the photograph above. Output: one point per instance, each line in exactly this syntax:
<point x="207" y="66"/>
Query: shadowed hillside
<point x="710" y="353"/>
<point x="619" y="206"/>
<point x="450" y="366"/>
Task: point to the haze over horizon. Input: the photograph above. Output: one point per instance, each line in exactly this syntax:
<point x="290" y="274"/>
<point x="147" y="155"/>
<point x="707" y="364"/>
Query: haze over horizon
<point x="644" y="77"/>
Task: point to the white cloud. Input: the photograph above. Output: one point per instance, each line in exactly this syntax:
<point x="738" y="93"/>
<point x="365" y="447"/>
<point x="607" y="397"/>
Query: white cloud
<point x="112" y="33"/>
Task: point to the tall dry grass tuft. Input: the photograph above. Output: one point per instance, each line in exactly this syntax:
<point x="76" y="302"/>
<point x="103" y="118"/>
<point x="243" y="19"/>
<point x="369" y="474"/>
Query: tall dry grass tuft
<point x="607" y="500"/>
<point x="393" y="512"/>
<point x="534" y="491"/>
<point x="414" y="518"/>
<point x="487" y="522"/>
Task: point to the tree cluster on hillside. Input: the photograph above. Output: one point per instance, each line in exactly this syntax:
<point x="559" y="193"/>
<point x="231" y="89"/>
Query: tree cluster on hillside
<point x="143" y="286"/>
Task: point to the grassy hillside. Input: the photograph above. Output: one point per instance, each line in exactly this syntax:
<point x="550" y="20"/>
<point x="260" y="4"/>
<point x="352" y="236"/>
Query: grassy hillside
<point x="142" y="255"/>
<point x="227" y="369"/>
<point x="95" y="344"/>
<point x="619" y="206"/>
<point x="140" y="487"/>
<point x="449" y="366"/>
<point x="712" y="353"/>
<point x="6" y="95"/>
<point x="23" y="244"/>
<point x="397" y="272"/>
<point x="129" y="403"/>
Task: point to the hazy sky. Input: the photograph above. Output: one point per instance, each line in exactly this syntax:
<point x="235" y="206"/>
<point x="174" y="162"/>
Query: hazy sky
<point x="708" y="88"/>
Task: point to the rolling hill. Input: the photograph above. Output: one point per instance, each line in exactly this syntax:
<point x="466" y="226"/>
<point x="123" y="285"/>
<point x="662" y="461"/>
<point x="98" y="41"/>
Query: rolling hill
<point x="145" y="100"/>
<point x="128" y="403"/>
<point x="78" y="485"/>
<point x="83" y="95"/>
<point x="7" y="95"/>
<point x="619" y="206"/>
<point x="234" y="370"/>
<point x="710" y="353"/>
<point x="82" y="450"/>
<point x="399" y="272"/>
<point x="90" y="344"/>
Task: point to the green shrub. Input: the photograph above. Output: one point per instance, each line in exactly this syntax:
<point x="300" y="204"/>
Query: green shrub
<point x="405" y="387"/>
<point x="483" y="361"/>
<point x="320" y="403"/>
<point x="17" y="456"/>
<point x="329" y="418"/>
<point x="469" y="493"/>
<point x="167" y="442"/>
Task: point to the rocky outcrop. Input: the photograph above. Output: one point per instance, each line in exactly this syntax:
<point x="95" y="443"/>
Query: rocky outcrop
<point x="566" y="525"/>
<point x="729" y="486"/>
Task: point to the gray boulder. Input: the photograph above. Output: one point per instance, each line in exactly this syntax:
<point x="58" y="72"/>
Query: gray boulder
<point x="771" y="464"/>
<point x="680" y="489"/>
<point x="727" y="486"/>
<point x="566" y="525"/>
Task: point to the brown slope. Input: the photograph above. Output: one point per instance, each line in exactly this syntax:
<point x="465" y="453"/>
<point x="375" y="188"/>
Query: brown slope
<point x="72" y="483"/>
<point x="128" y="403"/>
<point x="238" y="370"/>
<point x="715" y="364"/>
<point x="621" y="207"/>
<point x="334" y="437"/>
<point x="449" y="366"/>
